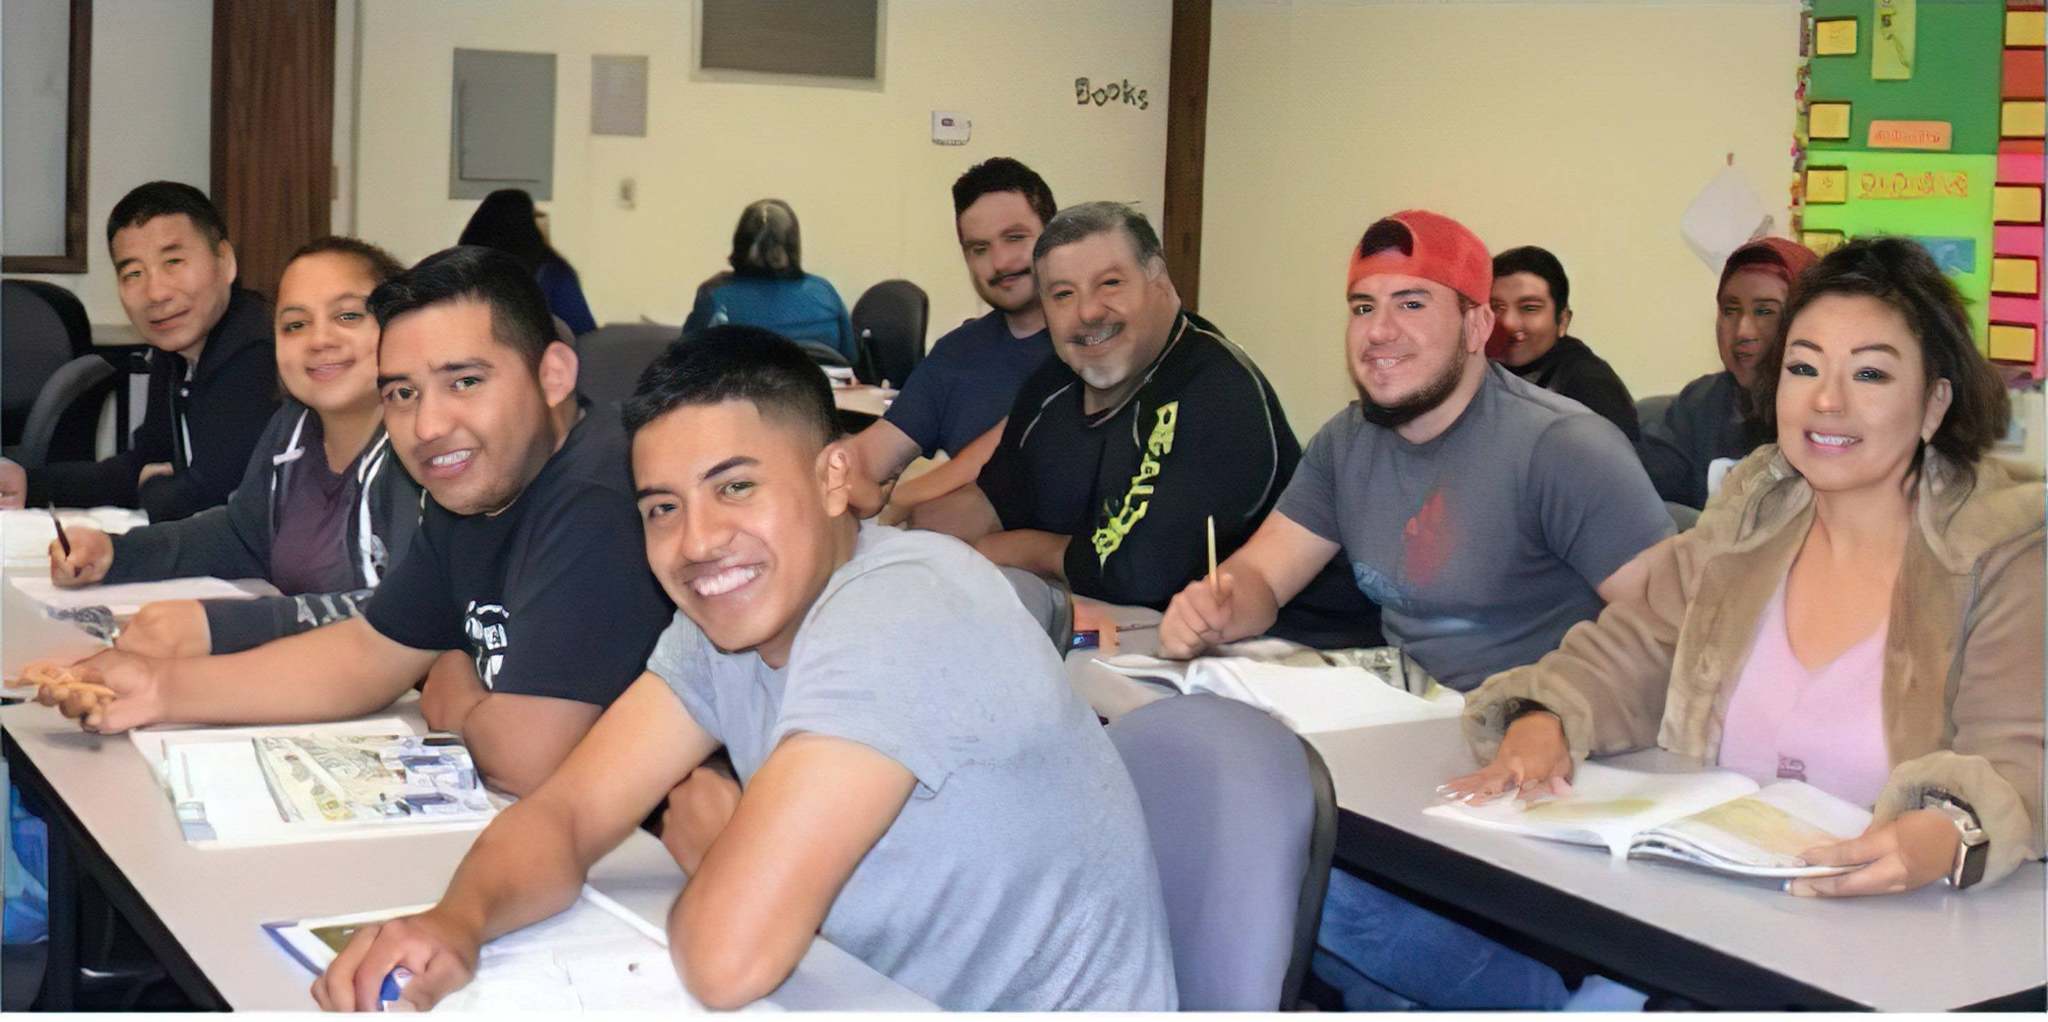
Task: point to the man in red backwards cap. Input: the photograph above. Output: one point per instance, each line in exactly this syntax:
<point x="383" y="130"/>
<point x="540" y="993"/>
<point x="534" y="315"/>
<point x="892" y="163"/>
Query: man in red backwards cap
<point x="1708" y="423"/>
<point x="1483" y="513"/>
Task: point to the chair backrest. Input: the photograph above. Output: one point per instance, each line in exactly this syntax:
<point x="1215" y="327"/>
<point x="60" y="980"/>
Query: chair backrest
<point x="1050" y="603"/>
<point x="45" y="327"/>
<point x="63" y="422"/>
<point x="1652" y="408"/>
<point x="611" y="358"/>
<point x="889" y="319"/>
<point x="1243" y="821"/>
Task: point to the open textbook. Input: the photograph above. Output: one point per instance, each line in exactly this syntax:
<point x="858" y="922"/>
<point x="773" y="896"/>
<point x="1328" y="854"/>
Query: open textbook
<point x="595" y="955"/>
<point x="1309" y="690"/>
<point x="1713" y="818"/>
<point x="277" y="785"/>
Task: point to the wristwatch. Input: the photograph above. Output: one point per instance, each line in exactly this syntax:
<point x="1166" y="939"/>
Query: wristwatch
<point x="1975" y="847"/>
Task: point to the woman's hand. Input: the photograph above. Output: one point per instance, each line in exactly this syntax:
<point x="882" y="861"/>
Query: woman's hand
<point x="1905" y="853"/>
<point x="1533" y="758"/>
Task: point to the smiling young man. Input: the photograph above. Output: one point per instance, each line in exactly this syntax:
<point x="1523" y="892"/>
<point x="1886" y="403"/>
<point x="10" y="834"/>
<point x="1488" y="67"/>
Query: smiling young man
<point x="1147" y="424"/>
<point x="1709" y="427"/>
<point x="922" y="786"/>
<point x="526" y="560"/>
<point x="1532" y="310"/>
<point x="956" y="398"/>
<point x="1484" y="514"/>
<point x="212" y="375"/>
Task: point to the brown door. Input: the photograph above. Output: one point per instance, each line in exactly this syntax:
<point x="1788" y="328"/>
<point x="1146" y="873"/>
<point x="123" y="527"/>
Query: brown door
<point x="273" y="128"/>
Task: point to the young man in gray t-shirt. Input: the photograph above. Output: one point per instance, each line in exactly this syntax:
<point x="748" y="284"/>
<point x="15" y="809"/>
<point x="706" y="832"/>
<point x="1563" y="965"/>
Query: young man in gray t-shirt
<point x="920" y="784"/>
<point x="1483" y="514"/>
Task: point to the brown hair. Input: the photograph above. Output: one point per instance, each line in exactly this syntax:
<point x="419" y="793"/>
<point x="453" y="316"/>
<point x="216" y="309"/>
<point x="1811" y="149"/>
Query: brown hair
<point x="1900" y="273"/>
<point x="382" y="265"/>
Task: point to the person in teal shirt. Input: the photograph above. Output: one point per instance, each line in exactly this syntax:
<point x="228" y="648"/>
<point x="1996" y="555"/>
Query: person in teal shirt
<point x="768" y="288"/>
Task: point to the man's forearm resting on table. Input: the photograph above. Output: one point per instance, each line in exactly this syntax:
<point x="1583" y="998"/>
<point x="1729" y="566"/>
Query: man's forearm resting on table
<point x="1041" y="553"/>
<point x="336" y="672"/>
<point x="518" y="741"/>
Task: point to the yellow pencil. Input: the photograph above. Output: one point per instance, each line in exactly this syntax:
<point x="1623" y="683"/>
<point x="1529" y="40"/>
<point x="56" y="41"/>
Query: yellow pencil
<point x="1212" y="552"/>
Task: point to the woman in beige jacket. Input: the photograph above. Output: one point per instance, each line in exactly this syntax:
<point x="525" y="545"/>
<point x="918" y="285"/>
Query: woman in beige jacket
<point x="1875" y="513"/>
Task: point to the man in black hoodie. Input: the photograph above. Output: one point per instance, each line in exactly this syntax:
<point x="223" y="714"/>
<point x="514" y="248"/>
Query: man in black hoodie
<point x="1532" y="310"/>
<point x="212" y="377"/>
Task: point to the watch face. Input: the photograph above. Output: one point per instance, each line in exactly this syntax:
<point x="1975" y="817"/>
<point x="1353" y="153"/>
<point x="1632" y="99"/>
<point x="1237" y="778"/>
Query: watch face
<point x="1972" y="869"/>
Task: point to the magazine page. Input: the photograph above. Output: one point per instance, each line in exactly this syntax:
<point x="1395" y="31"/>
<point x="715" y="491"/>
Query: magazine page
<point x="1608" y="806"/>
<point x="1763" y="834"/>
<point x="595" y="955"/>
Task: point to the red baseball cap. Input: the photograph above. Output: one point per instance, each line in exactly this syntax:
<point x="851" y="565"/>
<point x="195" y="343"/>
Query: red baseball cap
<point x="1782" y="258"/>
<point x="1444" y="251"/>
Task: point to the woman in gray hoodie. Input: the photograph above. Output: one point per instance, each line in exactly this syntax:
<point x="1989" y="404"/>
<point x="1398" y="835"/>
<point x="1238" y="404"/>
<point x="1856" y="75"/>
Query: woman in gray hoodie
<point x="323" y="510"/>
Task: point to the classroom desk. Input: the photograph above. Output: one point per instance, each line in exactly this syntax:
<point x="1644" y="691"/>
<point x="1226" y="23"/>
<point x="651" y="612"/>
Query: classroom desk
<point x="862" y="399"/>
<point x="201" y="911"/>
<point x="1715" y="940"/>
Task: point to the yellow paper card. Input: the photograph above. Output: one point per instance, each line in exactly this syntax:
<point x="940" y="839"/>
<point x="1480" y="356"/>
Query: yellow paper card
<point x="2013" y="275"/>
<point x="1836" y="37"/>
<point x="1827" y="121"/>
<point x="1822" y="242"/>
<point x="2022" y="118"/>
<point x="1827" y="185"/>
<point x="2010" y="343"/>
<point x="2015" y="204"/>
<point x="2026" y="28"/>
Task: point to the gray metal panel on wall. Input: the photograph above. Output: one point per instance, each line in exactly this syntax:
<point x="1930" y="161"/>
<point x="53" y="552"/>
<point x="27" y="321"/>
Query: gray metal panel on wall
<point x="503" y="130"/>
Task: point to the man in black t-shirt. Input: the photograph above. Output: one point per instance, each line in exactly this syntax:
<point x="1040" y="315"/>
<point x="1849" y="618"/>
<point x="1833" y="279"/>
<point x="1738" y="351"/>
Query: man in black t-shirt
<point x="1532" y="310"/>
<point x="1147" y="424"/>
<point x="528" y="562"/>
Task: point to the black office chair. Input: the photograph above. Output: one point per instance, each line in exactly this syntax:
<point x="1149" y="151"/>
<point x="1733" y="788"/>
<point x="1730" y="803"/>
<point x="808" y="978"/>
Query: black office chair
<point x="63" y="423"/>
<point x="890" y="321"/>
<point x="611" y="358"/>
<point x="45" y="327"/>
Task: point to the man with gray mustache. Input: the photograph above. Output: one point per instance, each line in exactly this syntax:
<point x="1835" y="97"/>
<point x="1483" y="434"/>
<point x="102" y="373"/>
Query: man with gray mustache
<point x="1147" y="423"/>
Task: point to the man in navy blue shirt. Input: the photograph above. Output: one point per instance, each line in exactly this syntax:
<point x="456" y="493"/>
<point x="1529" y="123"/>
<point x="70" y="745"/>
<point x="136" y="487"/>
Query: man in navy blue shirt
<point x="958" y="398"/>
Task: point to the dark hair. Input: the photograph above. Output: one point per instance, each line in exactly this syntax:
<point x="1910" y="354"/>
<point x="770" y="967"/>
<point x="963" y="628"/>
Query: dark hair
<point x="732" y="362"/>
<point x="1540" y="263"/>
<point x="146" y="202"/>
<point x="1089" y="219"/>
<point x="504" y="221"/>
<point x="519" y="311"/>
<point x="382" y="265"/>
<point x="1901" y="274"/>
<point x="766" y="242"/>
<point x="1003" y="174"/>
<point x="1392" y="233"/>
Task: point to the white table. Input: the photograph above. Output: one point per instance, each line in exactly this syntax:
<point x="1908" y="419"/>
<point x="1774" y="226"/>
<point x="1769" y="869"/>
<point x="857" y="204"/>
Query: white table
<point x="1713" y="939"/>
<point x="210" y="904"/>
<point x="863" y="399"/>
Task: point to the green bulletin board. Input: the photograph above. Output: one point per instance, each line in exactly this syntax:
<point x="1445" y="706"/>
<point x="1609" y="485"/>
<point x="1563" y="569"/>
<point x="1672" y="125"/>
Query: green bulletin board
<point x="1954" y="77"/>
<point x="1941" y="198"/>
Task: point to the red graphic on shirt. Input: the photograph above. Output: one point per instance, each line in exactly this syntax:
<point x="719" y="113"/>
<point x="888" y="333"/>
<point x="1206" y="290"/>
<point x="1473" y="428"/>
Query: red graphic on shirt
<point x="1426" y="541"/>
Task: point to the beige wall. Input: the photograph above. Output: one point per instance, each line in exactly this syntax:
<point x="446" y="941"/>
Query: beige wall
<point x="152" y="108"/>
<point x="858" y="165"/>
<point x="1585" y="127"/>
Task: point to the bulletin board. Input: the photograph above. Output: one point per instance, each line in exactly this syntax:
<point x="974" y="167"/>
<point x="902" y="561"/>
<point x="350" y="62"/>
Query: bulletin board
<point x="1924" y="118"/>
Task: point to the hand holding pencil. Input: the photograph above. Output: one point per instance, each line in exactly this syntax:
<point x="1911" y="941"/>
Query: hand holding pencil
<point x="80" y="556"/>
<point x="1200" y="617"/>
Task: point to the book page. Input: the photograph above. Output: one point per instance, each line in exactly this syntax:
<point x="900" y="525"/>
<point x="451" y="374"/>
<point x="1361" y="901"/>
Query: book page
<point x="1767" y="831"/>
<point x="1607" y="807"/>
<point x="595" y="955"/>
<point x="126" y="598"/>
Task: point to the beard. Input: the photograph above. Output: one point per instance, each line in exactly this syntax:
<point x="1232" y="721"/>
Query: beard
<point x="1428" y="398"/>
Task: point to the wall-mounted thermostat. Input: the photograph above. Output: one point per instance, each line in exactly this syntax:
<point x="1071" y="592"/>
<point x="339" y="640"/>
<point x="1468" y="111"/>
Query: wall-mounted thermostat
<point x="950" y="128"/>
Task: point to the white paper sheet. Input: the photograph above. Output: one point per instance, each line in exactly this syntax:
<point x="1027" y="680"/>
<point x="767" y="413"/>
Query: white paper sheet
<point x="26" y="534"/>
<point x="1725" y="214"/>
<point x="1308" y="700"/>
<point x="128" y="597"/>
